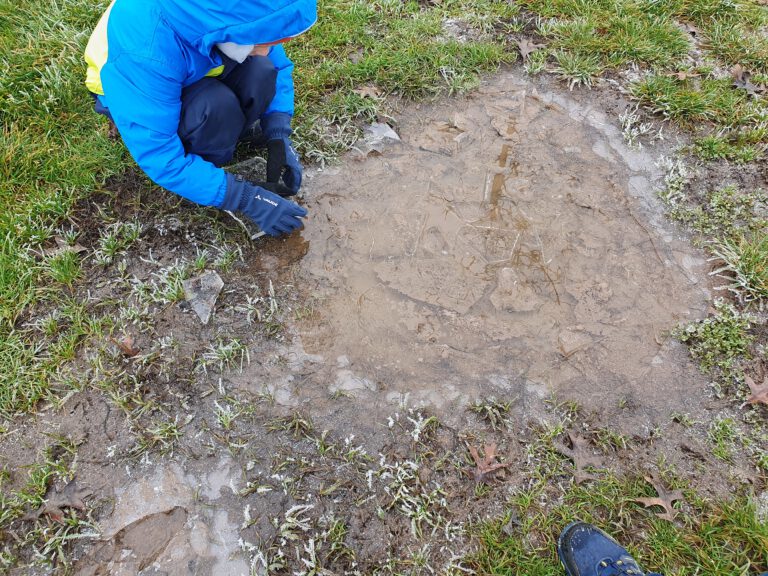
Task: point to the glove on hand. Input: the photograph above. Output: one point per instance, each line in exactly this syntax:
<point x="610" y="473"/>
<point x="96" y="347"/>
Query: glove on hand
<point x="282" y="159"/>
<point x="273" y="214"/>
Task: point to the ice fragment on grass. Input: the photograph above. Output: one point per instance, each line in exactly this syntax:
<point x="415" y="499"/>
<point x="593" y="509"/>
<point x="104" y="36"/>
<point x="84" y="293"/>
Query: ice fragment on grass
<point x="376" y="137"/>
<point x="202" y="291"/>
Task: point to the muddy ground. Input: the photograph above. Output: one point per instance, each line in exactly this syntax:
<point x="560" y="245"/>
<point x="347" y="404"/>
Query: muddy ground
<point x="509" y="249"/>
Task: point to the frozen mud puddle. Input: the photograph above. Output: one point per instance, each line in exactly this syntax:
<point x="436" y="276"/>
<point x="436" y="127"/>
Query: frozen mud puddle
<point x="176" y="521"/>
<point x="510" y="244"/>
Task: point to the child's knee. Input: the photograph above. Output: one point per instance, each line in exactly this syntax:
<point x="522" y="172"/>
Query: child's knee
<point x="262" y="71"/>
<point x="211" y="121"/>
<point x="211" y="108"/>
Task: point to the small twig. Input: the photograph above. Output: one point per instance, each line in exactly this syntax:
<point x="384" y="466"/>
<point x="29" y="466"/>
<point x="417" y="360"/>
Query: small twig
<point x="418" y="238"/>
<point x="247" y="231"/>
<point x="650" y="238"/>
<point x="543" y="266"/>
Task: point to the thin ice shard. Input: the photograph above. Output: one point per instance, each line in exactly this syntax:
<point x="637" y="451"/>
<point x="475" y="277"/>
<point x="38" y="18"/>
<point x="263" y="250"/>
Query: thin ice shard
<point x="202" y="291"/>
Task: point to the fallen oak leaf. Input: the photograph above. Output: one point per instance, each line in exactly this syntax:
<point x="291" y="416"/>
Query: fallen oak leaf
<point x="665" y="499"/>
<point x="581" y="455"/>
<point x="684" y="75"/>
<point x="527" y="47"/>
<point x="61" y="246"/>
<point x="487" y="465"/>
<point x="759" y="391"/>
<point x="741" y="81"/>
<point x="368" y="91"/>
<point x="70" y="497"/>
<point x="126" y="345"/>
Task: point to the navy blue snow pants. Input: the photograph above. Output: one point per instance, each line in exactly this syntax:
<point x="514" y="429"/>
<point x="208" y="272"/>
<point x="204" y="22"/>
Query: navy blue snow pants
<point x="217" y="112"/>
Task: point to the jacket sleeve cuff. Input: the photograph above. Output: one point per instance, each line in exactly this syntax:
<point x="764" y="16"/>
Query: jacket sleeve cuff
<point x="276" y="125"/>
<point x="231" y="193"/>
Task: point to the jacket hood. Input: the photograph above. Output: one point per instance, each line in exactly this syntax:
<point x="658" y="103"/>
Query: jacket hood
<point x="203" y="23"/>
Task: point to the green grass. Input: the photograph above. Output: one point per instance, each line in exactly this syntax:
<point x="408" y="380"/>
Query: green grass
<point x="696" y="100"/>
<point x="719" y="341"/>
<point x="43" y="542"/>
<point x="733" y="226"/>
<point x="53" y="151"/>
<point x="723" y="537"/>
<point x="737" y="149"/>
<point x="745" y="265"/>
<point x="726" y="213"/>
<point x="590" y="38"/>
<point x="400" y="47"/>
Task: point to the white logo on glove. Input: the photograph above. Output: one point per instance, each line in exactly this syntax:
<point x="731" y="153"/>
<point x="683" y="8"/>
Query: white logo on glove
<point x="267" y="200"/>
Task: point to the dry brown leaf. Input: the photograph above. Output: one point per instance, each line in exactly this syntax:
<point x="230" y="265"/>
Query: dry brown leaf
<point x="665" y="498"/>
<point x="580" y="453"/>
<point x="486" y="465"/>
<point x="126" y="345"/>
<point x="527" y="47"/>
<point x="741" y="81"/>
<point x="759" y="391"/>
<point x="684" y="75"/>
<point x="61" y="247"/>
<point x="356" y="56"/>
<point x="368" y="91"/>
<point x="70" y="497"/>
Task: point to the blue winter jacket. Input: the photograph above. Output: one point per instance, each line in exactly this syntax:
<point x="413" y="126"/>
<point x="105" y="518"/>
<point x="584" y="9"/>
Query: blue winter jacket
<point x="155" y="48"/>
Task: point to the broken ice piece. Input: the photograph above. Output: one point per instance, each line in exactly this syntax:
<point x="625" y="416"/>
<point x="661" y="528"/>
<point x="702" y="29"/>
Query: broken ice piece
<point x="378" y="132"/>
<point x="375" y="139"/>
<point x="201" y="293"/>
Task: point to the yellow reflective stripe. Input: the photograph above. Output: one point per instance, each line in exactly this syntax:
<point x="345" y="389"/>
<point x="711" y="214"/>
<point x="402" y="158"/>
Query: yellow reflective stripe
<point x="96" y="53"/>
<point x="215" y="71"/>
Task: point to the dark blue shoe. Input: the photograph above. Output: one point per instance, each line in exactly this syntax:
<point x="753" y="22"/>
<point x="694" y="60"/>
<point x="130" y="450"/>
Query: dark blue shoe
<point x="585" y="550"/>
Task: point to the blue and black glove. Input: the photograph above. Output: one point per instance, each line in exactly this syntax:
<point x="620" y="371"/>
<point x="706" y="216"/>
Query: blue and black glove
<point x="273" y="214"/>
<point x="282" y="159"/>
